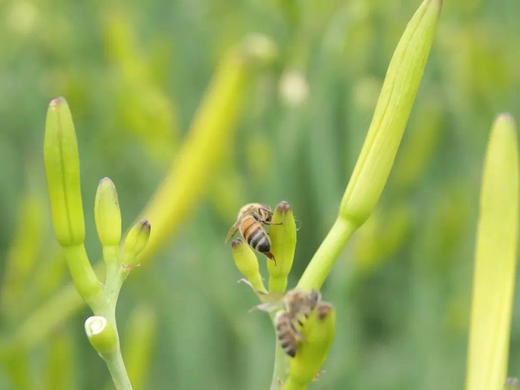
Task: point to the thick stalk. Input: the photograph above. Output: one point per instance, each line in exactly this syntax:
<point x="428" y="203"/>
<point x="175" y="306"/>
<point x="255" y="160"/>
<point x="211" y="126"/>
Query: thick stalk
<point x="117" y="369"/>
<point x="281" y="363"/>
<point x="326" y="255"/>
<point x="114" y="280"/>
<point x="292" y="385"/>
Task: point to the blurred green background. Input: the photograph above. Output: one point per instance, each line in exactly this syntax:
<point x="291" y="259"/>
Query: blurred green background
<point x="134" y="73"/>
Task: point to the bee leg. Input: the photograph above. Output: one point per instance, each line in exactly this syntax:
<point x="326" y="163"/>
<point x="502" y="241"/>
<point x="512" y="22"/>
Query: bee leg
<point x="272" y="223"/>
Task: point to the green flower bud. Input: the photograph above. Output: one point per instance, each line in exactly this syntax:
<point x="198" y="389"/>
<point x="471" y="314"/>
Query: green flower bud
<point x="495" y="261"/>
<point x="382" y="141"/>
<point x="391" y="114"/>
<point x="62" y="168"/>
<point x="101" y="335"/>
<point x="107" y="213"/>
<point x="283" y="243"/>
<point x="318" y="332"/>
<point x="135" y="242"/>
<point x="247" y="263"/>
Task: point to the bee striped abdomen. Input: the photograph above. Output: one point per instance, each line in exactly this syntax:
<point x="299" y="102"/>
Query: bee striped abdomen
<point x="255" y="234"/>
<point x="287" y="335"/>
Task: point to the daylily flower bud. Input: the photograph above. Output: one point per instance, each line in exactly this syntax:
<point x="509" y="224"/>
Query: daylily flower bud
<point x="283" y="243"/>
<point x="318" y="332"/>
<point x="107" y="213"/>
<point x="62" y="169"/>
<point x="382" y="141"/>
<point x="391" y="114"/>
<point x="247" y="263"/>
<point x="495" y="261"/>
<point x="135" y="242"/>
<point x="101" y="335"/>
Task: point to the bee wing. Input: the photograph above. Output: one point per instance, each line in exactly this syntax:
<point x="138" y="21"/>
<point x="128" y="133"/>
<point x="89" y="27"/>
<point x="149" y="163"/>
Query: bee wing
<point x="231" y="232"/>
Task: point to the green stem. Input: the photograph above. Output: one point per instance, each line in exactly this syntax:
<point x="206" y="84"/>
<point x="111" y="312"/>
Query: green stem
<point x="117" y="369"/>
<point x="326" y="255"/>
<point x="292" y="385"/>
<point x="115" y="276"/>
<point x="277" y="283"/>
<point x="281" y="363"/>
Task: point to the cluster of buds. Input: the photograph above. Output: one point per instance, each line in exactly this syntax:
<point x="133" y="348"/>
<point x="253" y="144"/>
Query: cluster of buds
<point x="282" y="238"/>
<point x="317" y="333"/>
<point x="305" y="325"/>
<point x="63" y="181"/>
<point x="359" y="200"/>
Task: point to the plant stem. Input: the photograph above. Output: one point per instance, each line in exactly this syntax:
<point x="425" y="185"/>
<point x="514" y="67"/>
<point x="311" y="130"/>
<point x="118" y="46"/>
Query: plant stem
<point x="281" y="363"/>
<point x="117" y="369"/>
<point x="115" y="276"/>
<point x="326" y="255"/>
<point x="292" y="385"/>
<point x="277" y="284"/>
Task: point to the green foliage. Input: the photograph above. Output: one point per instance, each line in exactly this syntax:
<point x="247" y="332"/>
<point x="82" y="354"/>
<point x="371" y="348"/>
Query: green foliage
<point x="135" y="74"/>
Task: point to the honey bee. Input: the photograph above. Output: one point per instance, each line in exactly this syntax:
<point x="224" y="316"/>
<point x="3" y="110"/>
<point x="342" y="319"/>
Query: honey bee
<point x="298" y="305"/>
<point x="249" y="222"/>
<point x="288" y="336"/>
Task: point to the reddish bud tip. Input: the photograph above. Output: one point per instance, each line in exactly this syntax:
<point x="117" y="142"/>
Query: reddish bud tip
<point x="323" y="310"/>
<point x="283" y="207"/>
<point x="56" y="101"/>
<point x="145" y="225"/>
<point x="236" y="242"/>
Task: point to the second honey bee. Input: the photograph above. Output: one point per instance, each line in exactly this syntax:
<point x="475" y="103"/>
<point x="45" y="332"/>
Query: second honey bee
<point x="298" y="307"/>
<point x="250" y="221"/>
<point x="299" y="304"/>
<point x="288" y="336"/>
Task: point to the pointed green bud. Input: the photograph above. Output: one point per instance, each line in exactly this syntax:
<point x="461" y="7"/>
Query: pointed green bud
<point x="101" y="334"/>
<point x="62" y="168"/>
<point x="495" y="261"/>
<point x="135" y="242"/>
<point x="318" y="332"/>
<point x="382" y="141"/>
<point x="391" y="114"/>
<point x="283" y="243"/>
<point x="247" y="263"/>
<point x="107" y="213"/>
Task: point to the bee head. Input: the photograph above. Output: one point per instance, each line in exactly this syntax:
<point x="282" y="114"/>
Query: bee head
<point x="266" y="213"/>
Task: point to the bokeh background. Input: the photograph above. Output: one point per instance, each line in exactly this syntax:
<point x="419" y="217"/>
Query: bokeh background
<point x="134" y="74"/>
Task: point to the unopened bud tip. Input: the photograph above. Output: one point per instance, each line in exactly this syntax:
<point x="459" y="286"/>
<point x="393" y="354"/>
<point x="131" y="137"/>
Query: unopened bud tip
<point x="236" y="242"/>
<point x="283" y="206"/>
